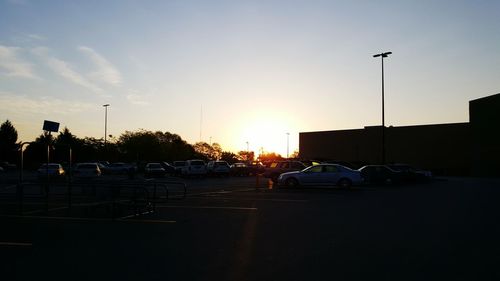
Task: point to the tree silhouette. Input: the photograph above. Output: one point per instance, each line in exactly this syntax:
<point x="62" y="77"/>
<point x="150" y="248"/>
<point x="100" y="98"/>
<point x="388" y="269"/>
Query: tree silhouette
<point x="8" y="142"/>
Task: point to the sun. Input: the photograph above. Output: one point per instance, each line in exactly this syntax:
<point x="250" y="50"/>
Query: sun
<point x="267" y="133"/>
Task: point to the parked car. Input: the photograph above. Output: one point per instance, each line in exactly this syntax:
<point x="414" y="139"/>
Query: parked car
<point x="116" y="168"/>
<point x="323" y="174"/>
<point x="7" y="166"/>
<point x="154" y="170"/>
<point x="87" y="170"/>
<point x="179" y="166"/>
<point x="195" y="168"/>
<point x="169" y="169"/>
<point x="221" y="168"/>
<point x="240" y="169"/>
<point x="54" y="171"/>
<point x="275" y="169"/>
<point x="255" y="168"/>
<point x="380" y="174"/>
<point x="410" y="173"/>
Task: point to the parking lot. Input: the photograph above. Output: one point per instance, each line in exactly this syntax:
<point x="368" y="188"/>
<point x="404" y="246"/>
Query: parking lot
<point x="245" y="229"/>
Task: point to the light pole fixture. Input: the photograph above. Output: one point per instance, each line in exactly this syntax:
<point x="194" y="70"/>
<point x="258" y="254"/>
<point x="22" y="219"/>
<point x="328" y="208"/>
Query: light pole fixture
<point x="287" y="143"/>
<point x="105" y="122"/>
<point x="382" y="56"/>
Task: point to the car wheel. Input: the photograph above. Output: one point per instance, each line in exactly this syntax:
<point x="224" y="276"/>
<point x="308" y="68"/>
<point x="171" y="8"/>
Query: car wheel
<point x="344" y="183"/>
<point x="292" y="182"/>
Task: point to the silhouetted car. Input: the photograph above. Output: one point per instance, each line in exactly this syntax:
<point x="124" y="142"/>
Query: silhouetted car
<point x="154" y="170"/>
<point x="195" y="168"/>
<point x="323" y="174"/>
<point x="169" y="169"/>
<point x="54" y="171"/>
<point x="277" y="168"/>
<point x="87" y="170"/>
<point x="240" y="169"/>
<point x="7" y="166"/>
<point x="218" y="168"/>
<point x="179" y="167"/>
<point x="410" y="173"/>
<point x="380" y="174"/>
<point x="255" y="168"/>
<point x="116" y="168"/>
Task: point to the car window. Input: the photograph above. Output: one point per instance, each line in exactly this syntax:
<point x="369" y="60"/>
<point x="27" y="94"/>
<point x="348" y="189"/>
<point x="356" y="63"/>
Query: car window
<point x="331" y="169"/>
<point x="296" y="165"/>
<point x="315" y="169"/>
<point x="274" y="165"/>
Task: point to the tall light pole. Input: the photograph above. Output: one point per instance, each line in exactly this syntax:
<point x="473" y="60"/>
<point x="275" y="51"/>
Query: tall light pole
<point x="287" y="143"/>
<point x="248" y="151"/>
<point x="382" y="56"/>
<point x="105" y="122"/>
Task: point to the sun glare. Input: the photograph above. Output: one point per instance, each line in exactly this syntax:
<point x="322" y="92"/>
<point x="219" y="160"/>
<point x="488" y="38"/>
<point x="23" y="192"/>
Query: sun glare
<point x="266" y="134"/>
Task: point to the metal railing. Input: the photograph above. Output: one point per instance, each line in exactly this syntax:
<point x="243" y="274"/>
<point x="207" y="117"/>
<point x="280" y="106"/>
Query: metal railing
<point x="45" y="197"/>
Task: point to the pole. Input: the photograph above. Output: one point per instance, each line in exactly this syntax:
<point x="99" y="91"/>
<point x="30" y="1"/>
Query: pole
<point x="382" y="56"/>
<point x="383" y="114"/>
<point x="287" y="144"/>
<point x="105" y="123"/>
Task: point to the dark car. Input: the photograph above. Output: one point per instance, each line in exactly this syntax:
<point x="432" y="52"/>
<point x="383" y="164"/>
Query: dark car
<point x="380" y="174"/>
<point x="179" y="167"/>
<point x="275" y="169"/>
<point x="255" y="168"/>
<point x="240" y="169"/>
<point x="169" y="169"/>
<point x="116" y="168"/>
<point x="52" y="170"/>
<point x="410" y="173"/>
<point x="153" y="170"/>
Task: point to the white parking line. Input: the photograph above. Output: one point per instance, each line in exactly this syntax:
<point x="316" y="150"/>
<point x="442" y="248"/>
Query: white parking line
<point x="207" y="207"/>
<point x="221" y="192"/>
<point x="16" y="244"/>
<point x="258" y="199"/>
<point x="89" y="219"/>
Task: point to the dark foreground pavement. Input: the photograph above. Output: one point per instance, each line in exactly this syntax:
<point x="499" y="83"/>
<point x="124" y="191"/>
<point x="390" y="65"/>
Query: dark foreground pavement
<point x="443" y="230"/>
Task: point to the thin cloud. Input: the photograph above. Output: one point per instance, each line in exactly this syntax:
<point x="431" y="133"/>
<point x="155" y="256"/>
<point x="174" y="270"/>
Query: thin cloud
<point x="11" y="65"/>
<point x="105" y="72"/>
<point x="36" y="37"/>
<point x="137" y="99"/>
<point x="18" y="104"/>
<point x="65" y="70"/>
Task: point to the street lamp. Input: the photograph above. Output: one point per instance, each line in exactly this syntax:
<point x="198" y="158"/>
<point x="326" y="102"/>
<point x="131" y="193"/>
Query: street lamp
<point x="105" y="122"/>
<point x="248" y="151"/>
<point x="287" y="143"/>
<point x="382" y="56"/>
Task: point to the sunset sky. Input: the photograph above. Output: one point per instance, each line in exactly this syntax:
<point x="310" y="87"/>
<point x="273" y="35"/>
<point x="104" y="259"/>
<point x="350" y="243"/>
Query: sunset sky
<point x="243" y="71"/>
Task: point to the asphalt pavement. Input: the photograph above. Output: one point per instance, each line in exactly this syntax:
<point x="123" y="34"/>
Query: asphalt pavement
<point x="244" y="229"/>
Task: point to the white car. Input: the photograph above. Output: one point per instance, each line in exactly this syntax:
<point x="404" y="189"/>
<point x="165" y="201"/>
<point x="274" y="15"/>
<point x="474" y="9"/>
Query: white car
<point x="195" y="168"/>
<point x="218" y="168"/>
<point x="323" y="174"/>
<point x="87" y="170"/>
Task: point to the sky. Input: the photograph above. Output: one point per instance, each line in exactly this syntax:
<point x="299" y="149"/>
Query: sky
<point x="238" y="72"/>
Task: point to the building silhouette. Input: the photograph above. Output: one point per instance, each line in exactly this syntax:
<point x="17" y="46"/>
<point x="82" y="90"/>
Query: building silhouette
<point x="471" y="148"/>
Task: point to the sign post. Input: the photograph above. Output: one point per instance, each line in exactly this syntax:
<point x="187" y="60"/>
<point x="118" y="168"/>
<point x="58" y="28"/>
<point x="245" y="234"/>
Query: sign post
<point x="48" y="127"/>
